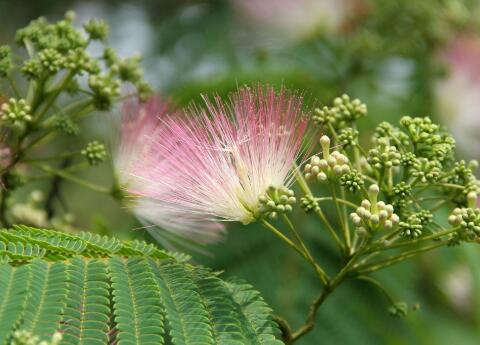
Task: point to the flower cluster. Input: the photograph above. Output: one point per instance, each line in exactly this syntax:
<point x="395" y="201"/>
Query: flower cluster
<point x="343" y="112"/>
<point x="276" y="201"/>
<point x="468" y="220"/>
<point x="16" y="112"/>
<point x="332" y="166"/>
<point x="373" y="215"/>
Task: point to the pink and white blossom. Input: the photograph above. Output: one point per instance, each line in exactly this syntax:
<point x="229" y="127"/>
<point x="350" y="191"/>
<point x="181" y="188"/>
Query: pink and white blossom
<point x="141" y="126"/>
<point x="213" y="163"/>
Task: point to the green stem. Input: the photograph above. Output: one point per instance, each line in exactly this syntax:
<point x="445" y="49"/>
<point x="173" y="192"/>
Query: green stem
<point x="379" y="286"/>
<point x="56" y="92"/>
<point x="14" y="86"/>
<point x="321" y="273"/>
<point x="306" y="190"/>
<point x="73" y="179"/>
<point x="339" y="278"/>
<point x="346" y="233"/>
<point x="318" y="269"/>
<point x="375" y="266"/>
<point x="51" y="158"/>
<point x="340" y="200"/>
<point x="413" y="242"/>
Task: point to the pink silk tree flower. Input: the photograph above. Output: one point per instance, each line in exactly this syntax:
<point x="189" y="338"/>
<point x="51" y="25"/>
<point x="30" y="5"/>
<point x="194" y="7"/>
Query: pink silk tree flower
<point x="141" y="126"/>
<point x="215" y="163"/>
<point x="458" y="94"/>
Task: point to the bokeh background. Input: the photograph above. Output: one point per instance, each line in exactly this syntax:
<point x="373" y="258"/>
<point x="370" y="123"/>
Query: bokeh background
<point x="403" y="57"/>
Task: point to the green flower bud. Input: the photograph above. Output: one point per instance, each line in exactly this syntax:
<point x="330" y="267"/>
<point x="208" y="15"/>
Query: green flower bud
<point x="97" y="29"/>
<point x="95" y="153"/>
<point x="16" y="112"/>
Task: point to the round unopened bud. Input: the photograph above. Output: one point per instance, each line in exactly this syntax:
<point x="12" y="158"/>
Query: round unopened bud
<point x="280" y="208"/>
<point x="271" y="205"/>
<point x="453" y="220"/>
<point x="366" y="204"/>
<point x="394" y="218"/>
<point x="322" y="177"/>
<point x="315" y="169"/>
<point x="332" y="161"/>
<point x="389" y="209"/>
<point x="388" y="224"/>
<point x="315" y="160"/>
<point x="375" y="219"/>
<point x="324" y="140"/>
<point x="357" y="221"/>
<point x="283" y="199"/>
<point x="381" y="205"/>
<point x="374" y="189"/>
<point x="291" y="200"/>
<point x="361" y="211"/>
<point x="383" y="215"/>
<point x="472" y="199"/>
<point x="288" y="208"/>
<point x="323" y="164"/>
<point x="337" y="169"/>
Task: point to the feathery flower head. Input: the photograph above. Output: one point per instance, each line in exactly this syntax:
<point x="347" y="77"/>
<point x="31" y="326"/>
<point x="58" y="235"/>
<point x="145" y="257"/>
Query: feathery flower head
<point x="136" y="158"/>
<point x="215" y="163"/>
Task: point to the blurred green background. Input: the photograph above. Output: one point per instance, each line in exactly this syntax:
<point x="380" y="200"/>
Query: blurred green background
<point x="390" y="54"/>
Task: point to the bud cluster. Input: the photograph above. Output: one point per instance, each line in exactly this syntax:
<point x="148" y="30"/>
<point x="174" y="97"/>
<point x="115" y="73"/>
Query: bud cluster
<point x="348" y="137"/>
<point x="276" y="201"/>
<point x="332" y="166"/>
<point x="429" y="140"/>
<point x="95" y="153"/>
<point x="384" y="156"/>
<point x="373" y="214"/>
<point x="426" y="170"/>
<point x="468" y="219"/>
<point x="344" y="110"/>
<point x="15" y="111"/>
<point x="352" y="181"/>
<point x="308" y="203"/>
<point x="393" y="135"/>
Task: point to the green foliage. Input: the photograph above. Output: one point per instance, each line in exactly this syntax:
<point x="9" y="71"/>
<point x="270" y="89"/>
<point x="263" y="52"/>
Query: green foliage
<point x="93" y="289"/>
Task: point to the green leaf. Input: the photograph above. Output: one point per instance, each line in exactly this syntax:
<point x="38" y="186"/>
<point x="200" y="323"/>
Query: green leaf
<point x="100" y="290"/>
<point x="136" y="298"/>
<point x="14" y="285"/>
<point x="87" y="314"/>
<point x="47" y="300"/>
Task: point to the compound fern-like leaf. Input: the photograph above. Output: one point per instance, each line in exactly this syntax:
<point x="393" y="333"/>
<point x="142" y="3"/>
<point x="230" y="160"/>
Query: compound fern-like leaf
<point x="87" y="313"/>
<point x="186" y="315"/>
<point x="48" y="294"/>
<point x="14" y="286"/>
<point x="136" y="297"/>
